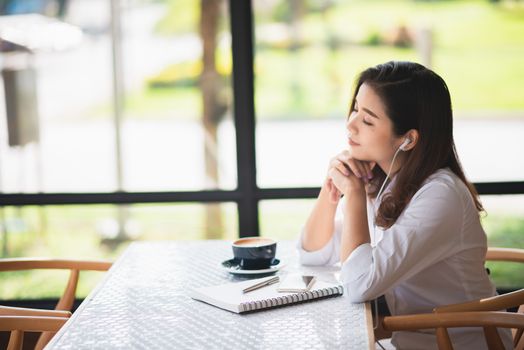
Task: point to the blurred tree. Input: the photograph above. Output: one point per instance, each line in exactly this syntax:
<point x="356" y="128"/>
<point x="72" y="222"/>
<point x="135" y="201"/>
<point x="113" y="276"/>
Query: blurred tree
<point x="298" y="9"/>
<point x="214" y="107"/>
<point x="181" y="17"/>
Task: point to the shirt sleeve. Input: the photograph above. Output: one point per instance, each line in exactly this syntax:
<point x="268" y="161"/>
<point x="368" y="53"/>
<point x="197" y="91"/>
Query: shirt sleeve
<point x="330" y="253"/>
<point x="426" y="232"/>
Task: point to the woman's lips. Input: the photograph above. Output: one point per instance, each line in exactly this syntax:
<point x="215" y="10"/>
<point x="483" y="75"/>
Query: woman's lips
<point x="353" y="143"/>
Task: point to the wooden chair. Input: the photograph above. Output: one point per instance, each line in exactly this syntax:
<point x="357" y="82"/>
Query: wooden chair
<point x="65" y="303"/>
<point x="487" y="312"/>
<point x="499" y="302"/>
<point x="17" y="325"/>
<point x="496" y="303"/>
<point x="444" y="320"/>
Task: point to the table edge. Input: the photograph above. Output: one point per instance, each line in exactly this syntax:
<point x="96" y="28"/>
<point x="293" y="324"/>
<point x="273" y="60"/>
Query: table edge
<point x="87" y="299"/>
<point x="369" y="326"/>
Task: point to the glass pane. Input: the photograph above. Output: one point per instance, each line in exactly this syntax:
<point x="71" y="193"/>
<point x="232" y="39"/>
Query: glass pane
<point x="58" y="130"/>
<point x="283" y="219"/>
<point x="50" y="99"/>
<point x="91" y="232"/>
<point x="490" y="148"/>
<point x="504" y="225"/>
<point x="309" y="53"/>
<point x="172" y="139"/>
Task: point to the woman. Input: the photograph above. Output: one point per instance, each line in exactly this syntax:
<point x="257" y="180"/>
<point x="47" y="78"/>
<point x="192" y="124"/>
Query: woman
<point x="396" y="209"/>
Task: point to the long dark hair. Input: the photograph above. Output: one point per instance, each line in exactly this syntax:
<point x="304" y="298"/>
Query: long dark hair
<point x="414" y="97"/>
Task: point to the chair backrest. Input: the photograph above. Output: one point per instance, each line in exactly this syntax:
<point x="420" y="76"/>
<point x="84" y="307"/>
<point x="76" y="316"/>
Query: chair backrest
<point x="442" y="321"/>
<point x="75" y="266"/>
<point x="510" y="255"/>
<point x="505" y="254"/>
<point x="495" y="303"/>
<point x="65" y="303"/>
<point x="17" y="325"/>
<point x="499" y="302"/>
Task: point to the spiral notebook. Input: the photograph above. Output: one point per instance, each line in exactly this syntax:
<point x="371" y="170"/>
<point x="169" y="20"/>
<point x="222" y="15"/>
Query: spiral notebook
<point x="230" y="297"/>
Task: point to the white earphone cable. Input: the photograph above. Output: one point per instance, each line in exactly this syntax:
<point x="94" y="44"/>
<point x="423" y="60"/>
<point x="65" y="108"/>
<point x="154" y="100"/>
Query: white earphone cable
<point x="375" y="326"/>
<point x="387" y="175"/>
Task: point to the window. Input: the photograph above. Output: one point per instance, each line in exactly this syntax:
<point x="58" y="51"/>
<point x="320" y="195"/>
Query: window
<point x="308" y="55"/>
<point x="117" y="115"/>
<point x="94" y="232"/>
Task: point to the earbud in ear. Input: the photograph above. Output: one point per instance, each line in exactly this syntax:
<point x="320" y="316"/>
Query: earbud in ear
<point x="406" y="142"/>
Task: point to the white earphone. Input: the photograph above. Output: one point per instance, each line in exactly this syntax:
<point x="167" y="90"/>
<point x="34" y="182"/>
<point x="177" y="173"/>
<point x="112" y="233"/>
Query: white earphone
<point x="406" y="142"/>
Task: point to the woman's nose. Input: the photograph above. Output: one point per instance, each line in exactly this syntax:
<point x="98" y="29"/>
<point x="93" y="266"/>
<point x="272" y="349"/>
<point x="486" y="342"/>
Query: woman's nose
<point x="350" y="124"/>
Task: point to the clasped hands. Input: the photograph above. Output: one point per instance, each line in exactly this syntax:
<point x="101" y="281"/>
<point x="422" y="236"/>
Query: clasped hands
<point x="347" y="175"/>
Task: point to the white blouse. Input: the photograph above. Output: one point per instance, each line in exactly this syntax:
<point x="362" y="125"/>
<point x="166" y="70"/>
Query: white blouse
<point x="433" y="255"/>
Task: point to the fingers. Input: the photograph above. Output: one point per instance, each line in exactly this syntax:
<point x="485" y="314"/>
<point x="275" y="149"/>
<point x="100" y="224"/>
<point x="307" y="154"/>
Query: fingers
<point x="329" y="185"/>
<point x="336" y="178"/>
<point x="361" y="169"/>
<point x="334" y="194"/>
<point x="342" y="184"/>
<point x="368" y="170"/>
<point x="341" y="169"/>
<point x="330" y="188"/>
<point x="340" y="166"/>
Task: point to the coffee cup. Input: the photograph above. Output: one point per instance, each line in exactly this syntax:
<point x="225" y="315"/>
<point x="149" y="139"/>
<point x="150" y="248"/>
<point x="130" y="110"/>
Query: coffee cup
<point x="254" y="253"/>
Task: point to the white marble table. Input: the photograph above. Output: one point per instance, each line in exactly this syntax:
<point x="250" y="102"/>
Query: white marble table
<point x="143" y="303"/>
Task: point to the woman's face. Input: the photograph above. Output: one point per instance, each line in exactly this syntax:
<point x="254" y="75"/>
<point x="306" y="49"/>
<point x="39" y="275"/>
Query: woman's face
<point x="372" y="138"/>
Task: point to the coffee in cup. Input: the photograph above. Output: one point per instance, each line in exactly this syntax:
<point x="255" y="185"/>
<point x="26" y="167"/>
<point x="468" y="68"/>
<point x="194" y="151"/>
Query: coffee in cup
<point x="254" y="253"/>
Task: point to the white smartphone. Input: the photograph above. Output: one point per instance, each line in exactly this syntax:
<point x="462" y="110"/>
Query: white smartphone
<point x="293" y="283"/>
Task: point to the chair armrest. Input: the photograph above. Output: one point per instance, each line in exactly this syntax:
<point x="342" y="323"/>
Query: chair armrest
<point x="454" y="319"/>
<point x="16" y="264"/>
<point x="31" y="323"/>
<point x="495" y="303"/>
<point x="21" y="311"/>
<point x="505" y="254"/>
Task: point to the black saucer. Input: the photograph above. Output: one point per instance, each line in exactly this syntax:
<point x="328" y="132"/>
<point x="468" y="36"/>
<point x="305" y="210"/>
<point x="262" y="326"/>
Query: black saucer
<point x="233" y="266"/>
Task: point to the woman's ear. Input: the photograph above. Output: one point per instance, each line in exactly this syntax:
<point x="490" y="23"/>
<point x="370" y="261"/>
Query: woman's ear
<point x="412" y="135"/>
